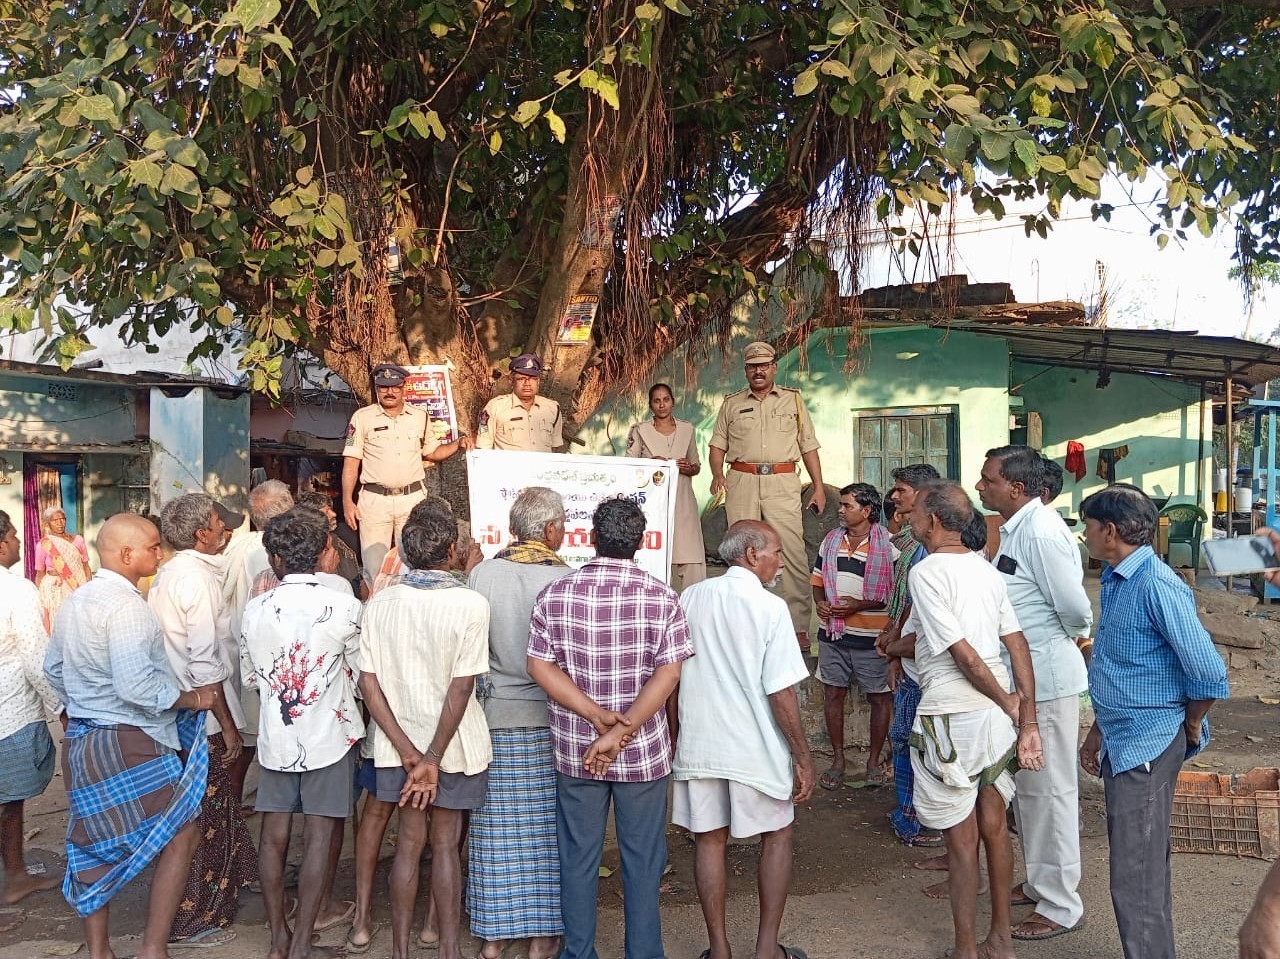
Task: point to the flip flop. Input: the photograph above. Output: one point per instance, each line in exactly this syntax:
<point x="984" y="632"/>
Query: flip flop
<point x="1054" y="930"/>
<point x="205" y="939"/>
<point x="346" y="917"/>
<point x="360" y="948"/>
<point x="832" y="779"/>
<point x="790" y="952"/>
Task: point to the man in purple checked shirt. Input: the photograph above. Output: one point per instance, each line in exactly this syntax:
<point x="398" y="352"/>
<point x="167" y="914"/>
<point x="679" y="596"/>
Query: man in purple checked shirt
<point x="606" y="643"/>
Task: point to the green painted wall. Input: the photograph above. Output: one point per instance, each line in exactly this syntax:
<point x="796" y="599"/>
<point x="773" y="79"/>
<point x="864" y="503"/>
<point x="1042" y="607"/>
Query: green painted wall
<point x="1157" y="418"/>
<point x="839" y="375"/>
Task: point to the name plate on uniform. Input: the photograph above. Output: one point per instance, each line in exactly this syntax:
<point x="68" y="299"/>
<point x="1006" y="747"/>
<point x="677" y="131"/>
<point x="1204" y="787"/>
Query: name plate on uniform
<point x="496" y="478"/>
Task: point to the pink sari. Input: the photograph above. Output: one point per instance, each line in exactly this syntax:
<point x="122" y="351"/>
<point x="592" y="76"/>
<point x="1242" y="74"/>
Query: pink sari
<point x="66" y="569"/>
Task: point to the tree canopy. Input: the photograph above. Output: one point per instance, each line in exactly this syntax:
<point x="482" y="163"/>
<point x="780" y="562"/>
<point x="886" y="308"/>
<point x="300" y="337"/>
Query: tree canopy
<point x="242" y="167"/>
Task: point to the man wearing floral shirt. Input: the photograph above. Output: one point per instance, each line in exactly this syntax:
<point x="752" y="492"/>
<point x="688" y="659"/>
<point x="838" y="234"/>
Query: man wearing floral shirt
<point x="299" y="648"/>
<point x="606" y="643"/>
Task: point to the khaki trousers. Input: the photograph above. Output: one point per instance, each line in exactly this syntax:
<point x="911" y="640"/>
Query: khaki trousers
<point x="775" y="499"/>
<point x="381" y="519"/>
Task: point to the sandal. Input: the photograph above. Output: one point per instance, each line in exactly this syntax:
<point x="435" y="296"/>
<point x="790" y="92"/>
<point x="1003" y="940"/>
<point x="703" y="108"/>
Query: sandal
<point x="345" y="918"/>
<point x="1036" y="921"/>
<point x="360" y="948"/>
<point x="1018" y="897"/>
<point x="832" y="779"/>
<point x="205" y="939"/>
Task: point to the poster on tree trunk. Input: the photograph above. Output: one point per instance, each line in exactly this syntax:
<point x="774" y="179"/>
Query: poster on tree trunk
<point x="579" y="316"/>
<point x="496" y="478"/>
<point x="429" y="387"/>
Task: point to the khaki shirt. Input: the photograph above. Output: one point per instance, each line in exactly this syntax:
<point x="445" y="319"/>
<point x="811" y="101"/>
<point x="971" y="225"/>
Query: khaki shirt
<point x="506" y="425"/>
<point x="390" y="448"/>
<point x="776" y="429"/>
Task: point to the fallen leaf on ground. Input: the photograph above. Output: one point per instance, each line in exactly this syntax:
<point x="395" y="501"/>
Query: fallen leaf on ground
<point x="1270" y="701"/>
<point x="30" y="834"/>
<point x="605" y="872"/>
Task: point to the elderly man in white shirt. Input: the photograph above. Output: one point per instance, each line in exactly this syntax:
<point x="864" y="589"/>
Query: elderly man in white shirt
<point x="1040" y="564"/>
<point x="740" y="737"/>
<point x="187" y="600"/>
<point x="26" y="749"/>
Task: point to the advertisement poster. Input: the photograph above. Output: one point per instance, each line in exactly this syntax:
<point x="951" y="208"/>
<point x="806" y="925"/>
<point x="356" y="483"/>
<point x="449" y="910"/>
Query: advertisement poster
<point x="496" y="478"/>
<point x="575" y="325"/>
<point x="429" y="387"/>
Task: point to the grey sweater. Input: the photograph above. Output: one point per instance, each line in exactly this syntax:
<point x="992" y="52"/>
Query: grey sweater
<point x="514" y="699"/>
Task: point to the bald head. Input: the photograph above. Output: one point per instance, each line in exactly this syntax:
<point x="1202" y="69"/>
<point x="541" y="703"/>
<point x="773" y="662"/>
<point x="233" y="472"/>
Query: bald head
<point x="754" y="546"/>
<point x="129" y="544"/>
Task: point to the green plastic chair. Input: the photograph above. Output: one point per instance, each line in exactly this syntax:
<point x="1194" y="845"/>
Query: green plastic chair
<point x="1186" y="521"/>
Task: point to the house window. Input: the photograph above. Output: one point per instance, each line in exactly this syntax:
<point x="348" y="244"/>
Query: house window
<point x="883" y="440"/>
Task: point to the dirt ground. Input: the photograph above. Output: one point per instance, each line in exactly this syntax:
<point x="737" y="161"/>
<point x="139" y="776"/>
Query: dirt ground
<point x="854" y="893"/>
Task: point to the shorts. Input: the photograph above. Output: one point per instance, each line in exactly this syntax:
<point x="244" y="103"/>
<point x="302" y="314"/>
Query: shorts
<point x="704" y="805"/>
<point x="457" y="790"/>
<point x="26" y="762"/>
<point x="316" y="792"/>
<point x="840" y="665"/>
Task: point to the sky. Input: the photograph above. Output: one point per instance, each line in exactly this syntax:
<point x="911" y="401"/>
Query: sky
<point x="1185" y="287"/>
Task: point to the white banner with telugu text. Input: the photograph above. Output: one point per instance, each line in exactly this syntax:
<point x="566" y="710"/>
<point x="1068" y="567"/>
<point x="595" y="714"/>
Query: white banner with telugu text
<point x="496" y="478"/>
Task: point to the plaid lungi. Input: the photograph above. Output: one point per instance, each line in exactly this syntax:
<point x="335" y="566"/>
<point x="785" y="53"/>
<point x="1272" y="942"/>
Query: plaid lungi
<point x="513" y="889"/>
<point x="26" y="762"/>
<point x="129" y="796"/>
<point x="906" y="699"/>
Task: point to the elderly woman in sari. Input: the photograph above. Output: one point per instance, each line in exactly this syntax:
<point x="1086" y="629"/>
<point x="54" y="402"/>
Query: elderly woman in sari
<point x="666" y="438"/>
<point x="62" y="563"/>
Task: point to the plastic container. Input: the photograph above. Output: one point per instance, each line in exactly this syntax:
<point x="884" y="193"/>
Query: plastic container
<point x="1230" y="815"/>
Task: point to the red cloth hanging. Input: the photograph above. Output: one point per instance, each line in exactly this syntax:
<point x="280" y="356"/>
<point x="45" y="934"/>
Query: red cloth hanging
<point x="1075" y="460"/>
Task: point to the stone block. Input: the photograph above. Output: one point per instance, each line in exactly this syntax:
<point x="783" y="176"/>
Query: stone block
<point x="1234" y="630"/>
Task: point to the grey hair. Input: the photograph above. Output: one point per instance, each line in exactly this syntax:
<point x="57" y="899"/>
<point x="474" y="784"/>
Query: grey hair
<point x="740" y="538"/>
<point x="49" y="513"/>
<point x="268" y="500"/>
<point x="534" y="508"/>
<point x="183" y="517"/>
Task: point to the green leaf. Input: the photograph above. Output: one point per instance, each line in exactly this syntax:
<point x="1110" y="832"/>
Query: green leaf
<point x="116" y="50"/>
<point x="648" y="12"/>
<point x="495" y="142"/>
<point x="806" y="82"/>
<point x="97" y="107"/>
<point x="146" y="172"/>
<point x="439" y="30"/>
<point x="252" y="14"/>
<point x="526" y="112"/>
<point x="556" y="124"/>
<point x="178" y="179"/>
<point x="1025" y="149"/>
<point x="248" y="76"/>
<point x="679" y="6"/>
<point x="607" y="88"/>
<point x="882" y="58"/>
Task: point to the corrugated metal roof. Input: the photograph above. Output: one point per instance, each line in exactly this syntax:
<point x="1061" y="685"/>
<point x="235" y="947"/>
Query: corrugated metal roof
<point x="1182" y="355"/>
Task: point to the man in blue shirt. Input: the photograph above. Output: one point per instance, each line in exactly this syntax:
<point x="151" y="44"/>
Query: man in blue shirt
<point x="1153" y="676"/>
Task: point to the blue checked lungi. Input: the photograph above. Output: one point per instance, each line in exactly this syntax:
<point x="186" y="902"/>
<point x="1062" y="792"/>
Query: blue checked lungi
<point x="128" y="800"/>
<point x="906" y="699"/>
<point x="513" y="888"/>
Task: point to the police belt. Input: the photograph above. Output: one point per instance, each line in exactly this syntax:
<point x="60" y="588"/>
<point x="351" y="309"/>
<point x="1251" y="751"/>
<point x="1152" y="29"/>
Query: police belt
<point x="763" y="469"/>
<point x="392" y="490"/>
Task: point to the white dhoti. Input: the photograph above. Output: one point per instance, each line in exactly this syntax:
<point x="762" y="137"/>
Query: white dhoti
<point x="955" y="755"/>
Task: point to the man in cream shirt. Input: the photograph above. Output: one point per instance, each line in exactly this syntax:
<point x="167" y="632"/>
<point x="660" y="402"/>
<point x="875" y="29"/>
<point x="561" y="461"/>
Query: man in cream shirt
<point x="1040" y="564"/>
<point x="743" y="678"/>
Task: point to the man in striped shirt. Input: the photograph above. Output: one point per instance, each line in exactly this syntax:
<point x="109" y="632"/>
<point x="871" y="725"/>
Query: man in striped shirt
<point x="852" y="580"/>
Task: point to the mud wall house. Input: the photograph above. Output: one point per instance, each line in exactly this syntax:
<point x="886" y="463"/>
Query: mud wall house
<point x="946" y="374"/>
<point x="96" y="443"/>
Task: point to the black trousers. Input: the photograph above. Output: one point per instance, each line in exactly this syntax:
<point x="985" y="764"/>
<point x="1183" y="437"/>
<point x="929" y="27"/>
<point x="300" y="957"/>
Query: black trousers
<point x="1139" y="806"/>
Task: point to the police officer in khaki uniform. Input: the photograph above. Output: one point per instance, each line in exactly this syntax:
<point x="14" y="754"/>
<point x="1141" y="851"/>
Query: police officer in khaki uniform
<point x="521" y="419"/>
<point x="762" y="431"/>
<point x="387" y="443"/>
